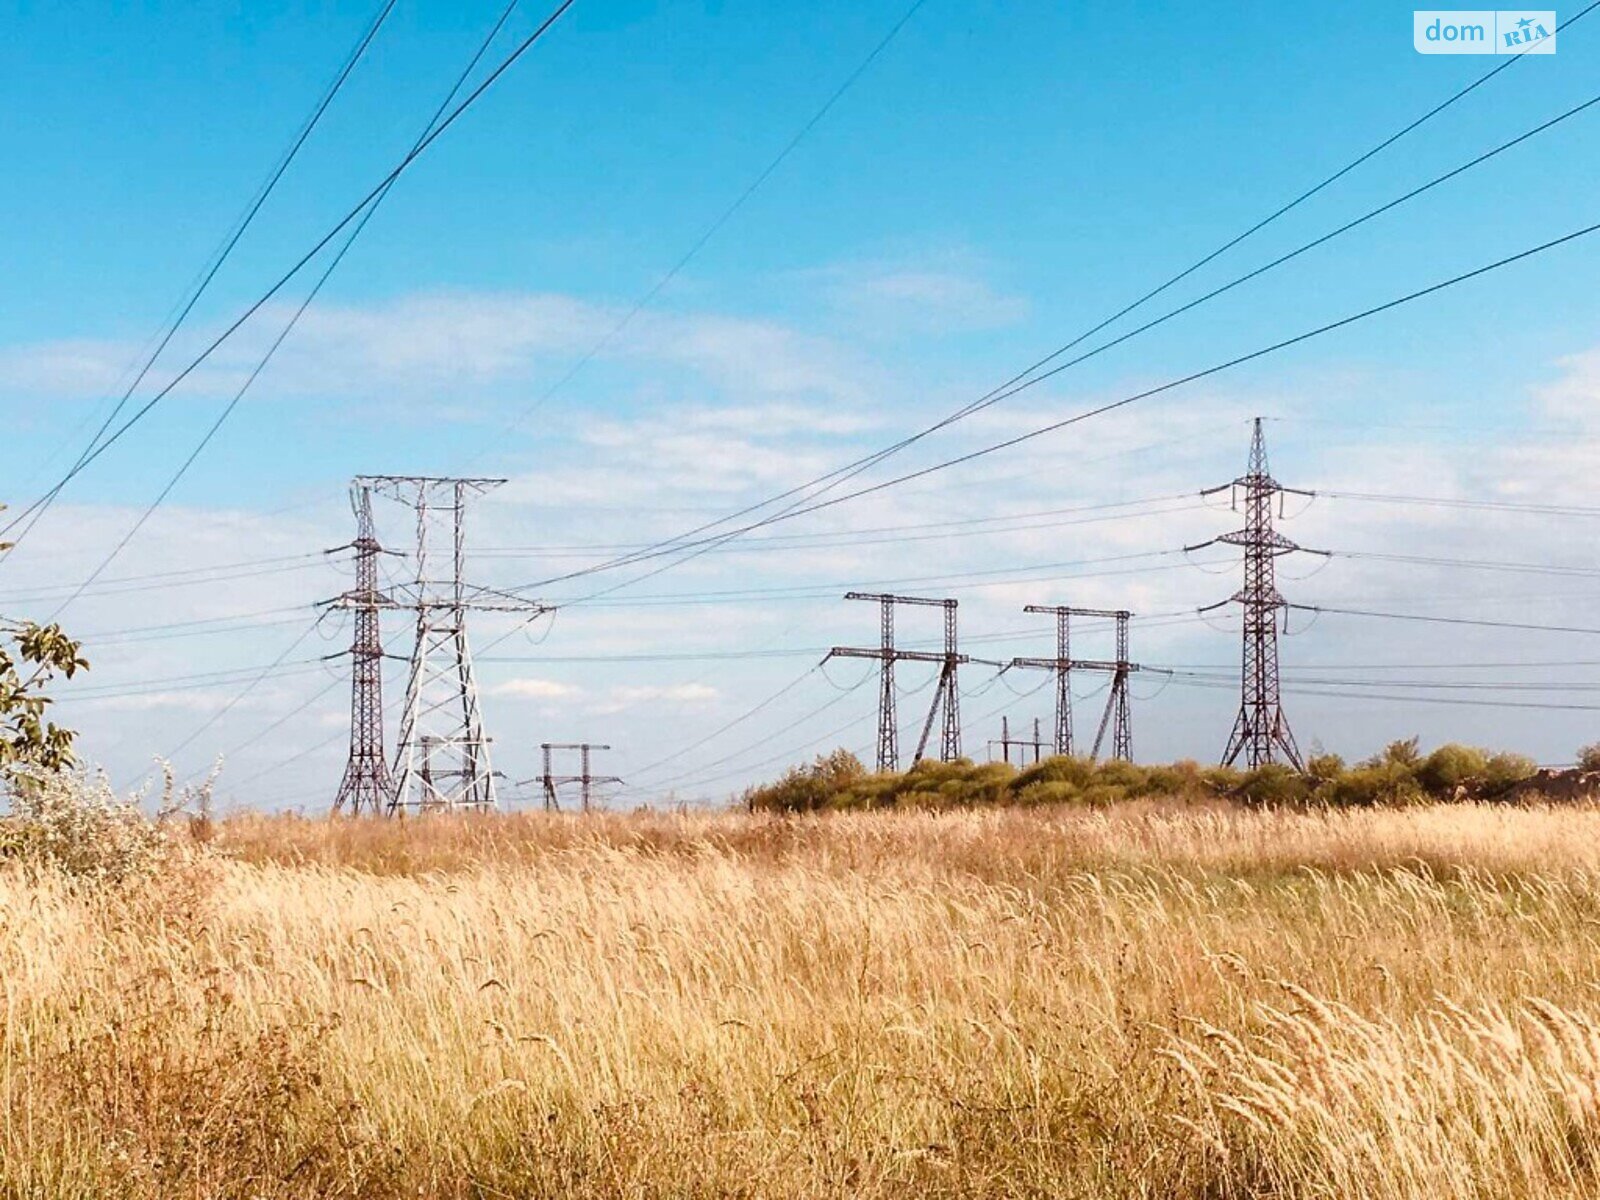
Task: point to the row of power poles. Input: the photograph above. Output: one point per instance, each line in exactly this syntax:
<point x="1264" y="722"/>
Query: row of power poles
<point x="947" y="694"/>
<point x="1261" y="732"/>
<point x="441" y="759"/>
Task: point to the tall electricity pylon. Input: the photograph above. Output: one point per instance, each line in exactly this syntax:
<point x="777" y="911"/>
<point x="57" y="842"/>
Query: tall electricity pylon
<point x="1116" y="717"/>
<point x="585" y="779"/>
<point x="1261" y="731"/>
<point x="947" y="693"/>
<point x="442" y="756"/>
<point x="367" y="784"/>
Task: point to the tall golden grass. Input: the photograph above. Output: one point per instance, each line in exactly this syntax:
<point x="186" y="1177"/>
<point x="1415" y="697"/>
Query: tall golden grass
<point x="1140" y="1002"/>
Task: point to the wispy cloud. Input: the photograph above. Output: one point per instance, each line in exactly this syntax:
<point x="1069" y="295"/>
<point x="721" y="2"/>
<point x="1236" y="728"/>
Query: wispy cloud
<point x="535" y="689"/>
<point x="939" y="293"/>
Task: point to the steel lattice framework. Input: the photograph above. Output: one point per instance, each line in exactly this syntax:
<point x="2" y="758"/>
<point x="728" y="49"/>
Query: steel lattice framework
<point x="1261" y="732"/>
<point x="586" y="779"/>
<point x="947" y="692"/>
<point x="1116" y="716"/>
<point x="367" y="784"/>
<point x="441" y="759"/>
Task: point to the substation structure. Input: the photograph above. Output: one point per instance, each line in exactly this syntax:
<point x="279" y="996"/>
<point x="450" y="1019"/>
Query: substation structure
<point x="441" y="757"/>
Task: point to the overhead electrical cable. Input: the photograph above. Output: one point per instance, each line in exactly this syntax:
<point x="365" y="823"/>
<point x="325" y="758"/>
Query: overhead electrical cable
<point x="716" y="225"/>
<point x="1436" y="620"/>
<point x="216" y="263"/>
<point x="1087" y="414"/>
<point x="1512" y="506"/>
<point x="249" y="687"/>
<point x="353" y="214"/>
<point x="294" y="319"/>
<point x="1292" y="690"/>
<point x="1027" y="377"/>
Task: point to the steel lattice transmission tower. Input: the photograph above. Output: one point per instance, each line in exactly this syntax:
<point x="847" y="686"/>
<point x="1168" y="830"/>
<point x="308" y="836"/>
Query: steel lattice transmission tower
<point x="585" y="779"/>
<point x="367" y="784"/>
<point x="442" y="756"/>
<point x="947" y="693"/>
<point x="1116" y="717"/>
<point x="1261" y="732"/>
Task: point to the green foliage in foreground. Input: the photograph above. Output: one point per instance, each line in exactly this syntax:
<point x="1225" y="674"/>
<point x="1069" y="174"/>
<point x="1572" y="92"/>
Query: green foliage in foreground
<point x="1402" y="774"/>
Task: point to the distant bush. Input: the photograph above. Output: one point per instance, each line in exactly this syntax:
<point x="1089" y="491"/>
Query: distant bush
<point x="1505" y="771"/>
<point x="1050" y="791"/>
<point x="1451" y="766"/>
<point x="1175" y="779"/>
<point x="1399" y="775"/>
<point x="1058" y="768"/>
<point x="1325" y="767"/>
<point x="808" y="788"/>
<point x="1274" y="785"/>
<point x="1402" y="753"/>
<point x="1377" y="781"/>
<point x="1589" y="757"/>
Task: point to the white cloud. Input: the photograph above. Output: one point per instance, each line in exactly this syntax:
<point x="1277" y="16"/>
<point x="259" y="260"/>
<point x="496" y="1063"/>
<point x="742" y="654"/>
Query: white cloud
<point x="534" y="689"/>
<point x="931" y="293"/>
<point x="672" y="696"/>
<point x="463" y="356"/>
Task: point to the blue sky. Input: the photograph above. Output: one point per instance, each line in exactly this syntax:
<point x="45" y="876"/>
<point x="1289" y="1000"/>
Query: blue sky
<point x="1000" y="178"/>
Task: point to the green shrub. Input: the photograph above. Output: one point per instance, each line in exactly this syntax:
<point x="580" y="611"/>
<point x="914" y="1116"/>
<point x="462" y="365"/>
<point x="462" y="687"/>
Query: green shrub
<point x="1274" y="785"/>
<point x="920" y="798"/>
<point x="1059" y="768"/>
<point x="1183" y="777"/>
<point x="1325" y="768"/>
<point x="1589" y="757"/>
<point x="1222" y="780"/>
<point x="808" y="788"/>
<point x="1116" y="773"/>
<point x="1374" y="782"/>
<point x="1401" y="753"/>
<point x="1103" y="795"/>
<point x="1505" y="771"/>
<point x="1400" y="774"/>
<point x="1451" y="766"/>
<point x="1050" y="791"/>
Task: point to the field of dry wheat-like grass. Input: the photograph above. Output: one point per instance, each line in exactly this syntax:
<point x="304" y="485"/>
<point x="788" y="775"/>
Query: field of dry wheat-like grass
<point x="1140" y="1002"/>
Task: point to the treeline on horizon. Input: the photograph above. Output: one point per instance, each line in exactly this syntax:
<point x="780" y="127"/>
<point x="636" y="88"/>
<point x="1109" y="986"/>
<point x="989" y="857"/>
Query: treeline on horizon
<point x="1401" y="774"/>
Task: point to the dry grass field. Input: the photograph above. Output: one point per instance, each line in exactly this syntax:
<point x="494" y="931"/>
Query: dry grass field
<point x="1137" y="1002"/>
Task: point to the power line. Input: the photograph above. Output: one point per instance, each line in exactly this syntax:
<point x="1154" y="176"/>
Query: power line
<point x="194" y="681"/>
<point x="218" y="259"/>
<point x="210" y="627"/>
<point x="696" y="778"/>
<point x="1474" y="564"/>
<point x="174" y="580"/>
<point x="1403" y="699"/>
<point x="722" y="219"/>
<point x="1434" y="620"/>
<point x="956" y="527"/>
<point x="1098" y="410"/>
<point x="1544" y="510"/>
<point x="245" y="691"/>
<point x="290" y="324"/>
<point x="1001" y="575"/>
<point x="327" y="238"/>
<point x="720" y="730"/>
<point x="1017" y="382"/>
